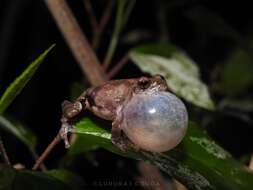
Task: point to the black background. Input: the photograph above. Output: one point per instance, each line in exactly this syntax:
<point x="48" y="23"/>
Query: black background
<point x="27" y="29"/>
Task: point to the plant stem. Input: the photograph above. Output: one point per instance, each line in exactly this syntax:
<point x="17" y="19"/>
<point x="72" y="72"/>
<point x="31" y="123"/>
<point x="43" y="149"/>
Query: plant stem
<point x="251" y="163"/>
<point x="83" y="53"/>
<point x="178" y="185"/>
<point x="97" y="28"/>
<point x="85" y="56"/>
<point x="103" y="21"/>
<point x="115" y="35"/>
<point x="151" y="177"/>
<point x="49" y="148"/>
<point x="36" y="157"/>
<point x="4" y="153"/>
<point x="92" y="17"/>
<point x="128" y="11"/>
<point x="118" y="66"/>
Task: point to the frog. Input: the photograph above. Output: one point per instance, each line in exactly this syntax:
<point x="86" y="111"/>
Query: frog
<point x="138" y="108"/>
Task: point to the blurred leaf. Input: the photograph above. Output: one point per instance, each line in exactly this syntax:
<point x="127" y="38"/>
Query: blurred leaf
<point x="7" y="175"/>
<point x="239" y="115"/>
<point x="11" y="179"/>
<point x="73" y="181"/>
<point x="25" y="179"/>
<point x="237" y="75"/>
<point x="209" y="22"/>
<point x="197" y="162"/>
<point x="19" y="83"/>
<point x="23" y="134"/>
<point x="181" y="72"/>
<point x="245" y="105"/>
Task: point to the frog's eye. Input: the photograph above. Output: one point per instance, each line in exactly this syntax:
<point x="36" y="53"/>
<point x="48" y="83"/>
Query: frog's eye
<point x="155" y="122"/>
<point x="159" y="77"/>
<point x="144" y="82"/>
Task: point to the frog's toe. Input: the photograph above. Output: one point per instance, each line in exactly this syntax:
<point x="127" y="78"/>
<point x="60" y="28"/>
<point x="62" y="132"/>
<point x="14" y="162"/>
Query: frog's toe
<point x="65" y="129"/>
<point x="124" y="144"/>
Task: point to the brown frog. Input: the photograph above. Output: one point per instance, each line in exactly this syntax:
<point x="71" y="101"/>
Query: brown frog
<point x="150" y="116"/>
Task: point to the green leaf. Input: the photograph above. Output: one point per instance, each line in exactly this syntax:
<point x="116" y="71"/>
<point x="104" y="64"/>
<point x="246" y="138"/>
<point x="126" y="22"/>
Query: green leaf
<point x="209" y="23"/>
<point x="7" y="175"/>
<point x="90" y="142"/>
<point x="24" y="179"/>
<point x="198" y="162"/>
<point x="242" y="104"/>
<point x="73" y="181"/>
<point x="22" y="133"/>
<point x="19" y="83"/>
<point x="236" y="77"/>
<point x="180" y="71"/>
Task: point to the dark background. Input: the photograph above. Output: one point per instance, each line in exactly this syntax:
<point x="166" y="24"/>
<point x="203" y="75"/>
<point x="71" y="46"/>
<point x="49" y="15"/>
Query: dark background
<point x="27" y="29"/>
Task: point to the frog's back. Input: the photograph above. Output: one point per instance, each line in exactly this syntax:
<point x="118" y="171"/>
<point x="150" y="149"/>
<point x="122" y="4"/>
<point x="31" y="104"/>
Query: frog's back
<point x="105" y="99"/>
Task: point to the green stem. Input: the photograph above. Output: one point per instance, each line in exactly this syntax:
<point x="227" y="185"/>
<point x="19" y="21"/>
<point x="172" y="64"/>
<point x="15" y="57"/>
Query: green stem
<point x="115" y="35"/>
<point x="128" y="11"/>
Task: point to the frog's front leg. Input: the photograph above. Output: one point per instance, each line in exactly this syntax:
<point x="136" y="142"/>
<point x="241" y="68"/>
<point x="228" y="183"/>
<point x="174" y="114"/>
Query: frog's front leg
<point x="119" y="138"/>
<point x="69" y="112"/>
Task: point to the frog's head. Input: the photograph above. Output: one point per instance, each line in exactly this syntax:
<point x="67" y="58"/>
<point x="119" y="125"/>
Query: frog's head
<point x="152" y="84"/>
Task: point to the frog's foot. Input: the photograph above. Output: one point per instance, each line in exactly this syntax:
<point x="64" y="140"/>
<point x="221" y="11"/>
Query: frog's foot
<point x="124" y="143"/>
<point x="69" y="112"/>
<point x="66" y="128"/>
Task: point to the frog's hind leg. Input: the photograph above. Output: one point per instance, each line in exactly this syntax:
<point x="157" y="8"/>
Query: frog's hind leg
<point x="120" y="139"/>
